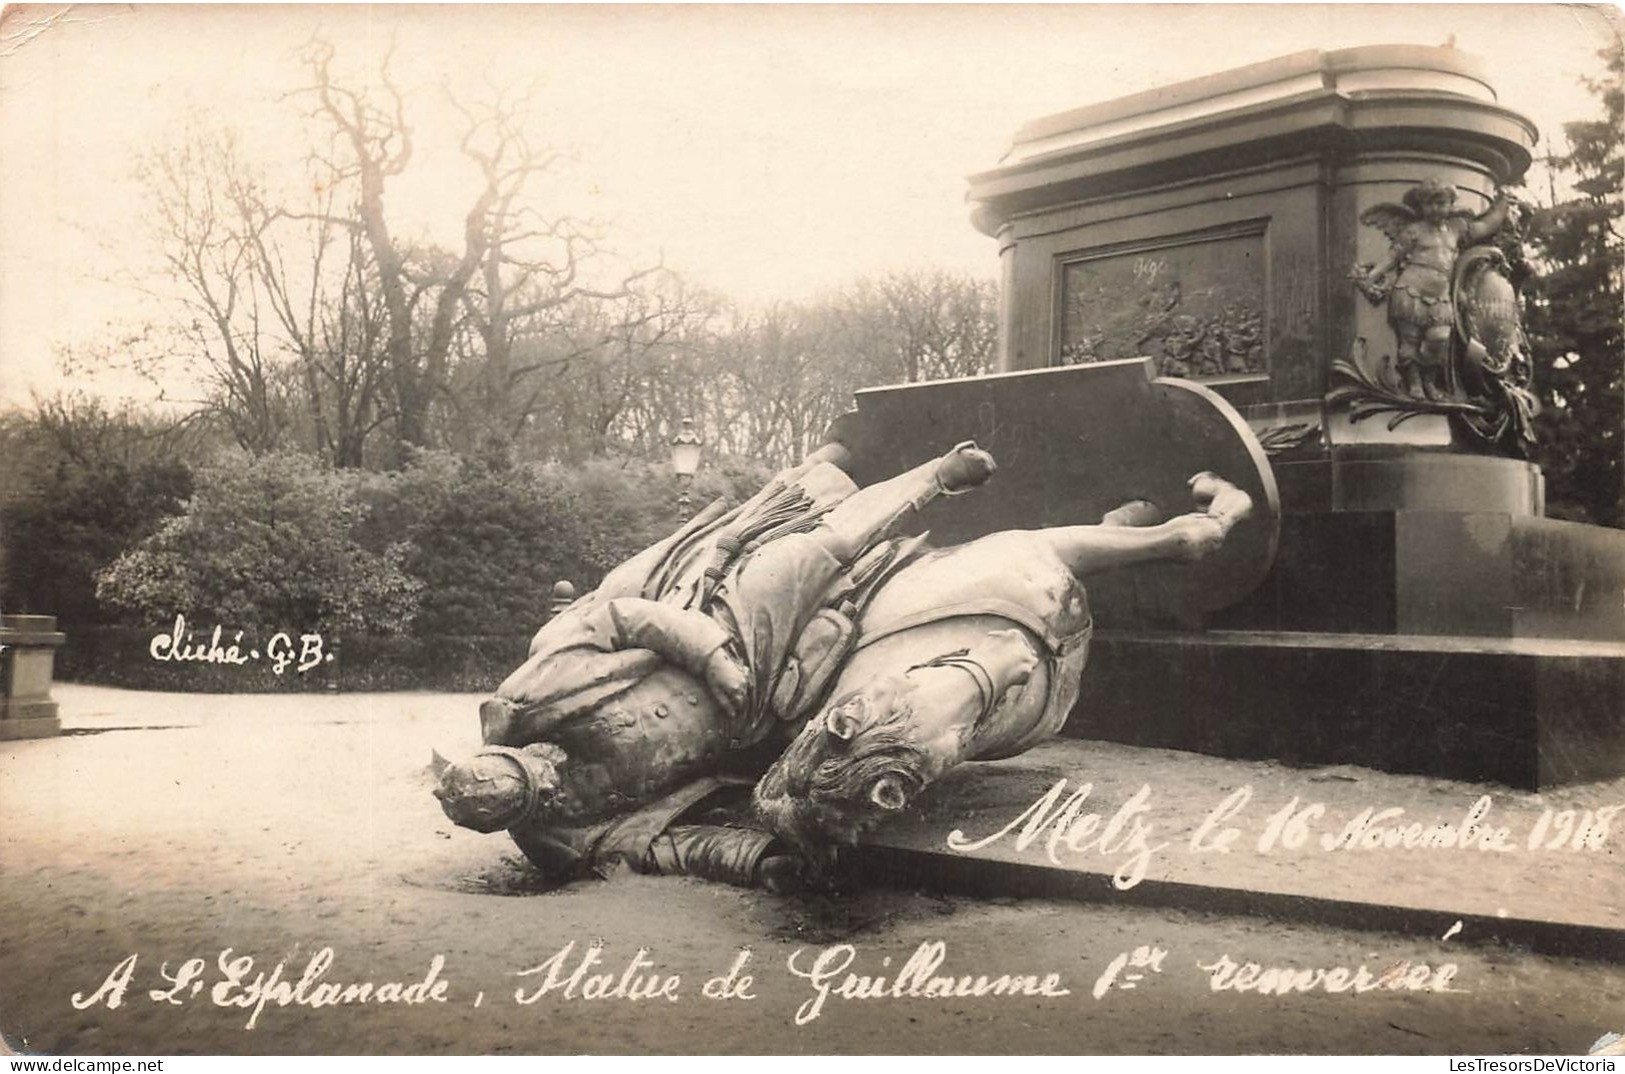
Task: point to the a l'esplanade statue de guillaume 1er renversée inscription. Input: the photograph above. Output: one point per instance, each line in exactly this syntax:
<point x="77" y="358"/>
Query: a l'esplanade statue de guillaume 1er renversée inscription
<point x="1450" y="283"/>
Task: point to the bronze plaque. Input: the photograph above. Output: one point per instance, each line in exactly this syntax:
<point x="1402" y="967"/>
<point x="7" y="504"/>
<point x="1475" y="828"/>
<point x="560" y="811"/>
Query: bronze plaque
<point x="1194" y="305"/>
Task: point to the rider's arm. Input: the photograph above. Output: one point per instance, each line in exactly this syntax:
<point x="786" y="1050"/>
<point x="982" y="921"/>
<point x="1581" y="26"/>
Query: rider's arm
<point x="684" y="638"/>
<point x="691" y="641"/>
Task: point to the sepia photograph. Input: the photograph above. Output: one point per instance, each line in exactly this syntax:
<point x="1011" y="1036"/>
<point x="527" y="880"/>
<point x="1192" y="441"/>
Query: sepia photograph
<point x="812" y="529"/>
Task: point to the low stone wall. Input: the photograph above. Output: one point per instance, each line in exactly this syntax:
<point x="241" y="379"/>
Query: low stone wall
<point x="122" y="656"/>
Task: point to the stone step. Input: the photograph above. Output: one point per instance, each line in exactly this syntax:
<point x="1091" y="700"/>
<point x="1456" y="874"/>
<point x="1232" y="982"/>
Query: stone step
<point x="16" y="727"/>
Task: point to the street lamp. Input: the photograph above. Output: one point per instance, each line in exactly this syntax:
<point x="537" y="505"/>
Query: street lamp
<point x="685" y="461"/>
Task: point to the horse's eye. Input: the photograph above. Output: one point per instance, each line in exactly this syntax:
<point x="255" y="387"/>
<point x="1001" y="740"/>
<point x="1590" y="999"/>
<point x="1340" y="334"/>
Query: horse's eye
<point x="888" y="793"/>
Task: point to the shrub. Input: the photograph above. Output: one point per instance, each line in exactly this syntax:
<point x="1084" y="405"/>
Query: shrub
<point x="267" y="542"/>
<point x="485" y="544"/>
<point x="487" y="541"/>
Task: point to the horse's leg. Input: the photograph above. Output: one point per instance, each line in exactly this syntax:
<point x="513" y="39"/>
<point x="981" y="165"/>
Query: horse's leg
<point x="836" y="454"/>
<point x="1134" y="513"/>
<point x="780" y="585"/>
<point x="1113" y="545"/>
<point x="870" y="513"/>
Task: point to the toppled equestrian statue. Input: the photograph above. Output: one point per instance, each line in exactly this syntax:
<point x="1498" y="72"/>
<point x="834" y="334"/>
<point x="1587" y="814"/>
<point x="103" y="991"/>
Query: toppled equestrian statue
<point x="798" y="643"/>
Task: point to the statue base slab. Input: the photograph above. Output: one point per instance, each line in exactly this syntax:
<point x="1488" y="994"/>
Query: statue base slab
<point x="1484" y="574"/>
<point x="1529" y="713"/>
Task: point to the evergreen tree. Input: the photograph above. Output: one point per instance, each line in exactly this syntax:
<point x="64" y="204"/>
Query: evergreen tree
<point x="1575" y="309"/>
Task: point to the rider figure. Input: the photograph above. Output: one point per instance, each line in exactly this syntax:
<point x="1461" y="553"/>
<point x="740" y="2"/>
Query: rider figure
<point x="637" y="699"/>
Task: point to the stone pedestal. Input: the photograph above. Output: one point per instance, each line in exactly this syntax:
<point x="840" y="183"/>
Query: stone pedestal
<point x="28" y="645"/>
<point x="1212" y="225"/>
<point x="1421" y="614"/>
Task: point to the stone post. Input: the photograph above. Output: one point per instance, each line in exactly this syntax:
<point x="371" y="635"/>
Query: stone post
<point x="564" y="595"/>
<point x="27" y="652"/>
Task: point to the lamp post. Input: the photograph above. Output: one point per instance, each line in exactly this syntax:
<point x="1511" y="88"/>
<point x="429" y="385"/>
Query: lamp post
<point x="685" y="461"/>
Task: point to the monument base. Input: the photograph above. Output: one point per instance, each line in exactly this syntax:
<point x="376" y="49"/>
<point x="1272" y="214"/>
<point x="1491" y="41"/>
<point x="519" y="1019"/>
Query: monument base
<point x="1419" y="613"/>
<point x="1530" y="713"/>
<point x="1487" y="574"/>
<point x="1467" y="644"/>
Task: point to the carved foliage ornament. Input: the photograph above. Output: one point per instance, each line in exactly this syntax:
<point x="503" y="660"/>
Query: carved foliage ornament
<point x="1449" y="282"/>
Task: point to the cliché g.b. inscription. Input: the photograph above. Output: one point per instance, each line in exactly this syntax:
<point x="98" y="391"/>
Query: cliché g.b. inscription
<point x="1197" y="308"/>
<point x="181" y="645"/>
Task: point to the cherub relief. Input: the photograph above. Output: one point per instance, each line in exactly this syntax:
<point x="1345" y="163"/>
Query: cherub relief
<point x="1428" y="234"/>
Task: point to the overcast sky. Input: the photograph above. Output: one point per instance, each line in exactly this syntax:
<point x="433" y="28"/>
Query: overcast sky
<point x="765" y="152"/>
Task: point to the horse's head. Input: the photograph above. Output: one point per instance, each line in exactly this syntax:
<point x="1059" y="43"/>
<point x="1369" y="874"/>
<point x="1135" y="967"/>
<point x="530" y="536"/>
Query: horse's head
<point x="876" y="747"/>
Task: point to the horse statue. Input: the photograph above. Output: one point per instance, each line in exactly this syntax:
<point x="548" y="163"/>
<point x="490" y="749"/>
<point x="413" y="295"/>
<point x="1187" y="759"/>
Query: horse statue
<point x="802" y="663"/>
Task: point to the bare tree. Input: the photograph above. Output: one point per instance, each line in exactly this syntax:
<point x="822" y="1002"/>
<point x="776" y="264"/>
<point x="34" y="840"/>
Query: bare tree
<point x="88" y="432"/>
<point x="375" y="145"/>
<point x="609" y="375"/>
<point x="923" y="325"/>
<point x="515" y="269"/>
<point x="317" y="323"/>
<point x="280" y="308"/>
<point x="209" y="248"/>
<point x="779" y="378"/>
<point x="328" y="307"/>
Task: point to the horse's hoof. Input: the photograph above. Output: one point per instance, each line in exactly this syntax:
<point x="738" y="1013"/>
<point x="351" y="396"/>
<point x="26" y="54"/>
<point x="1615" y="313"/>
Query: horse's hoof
<point x="964" y="468"/>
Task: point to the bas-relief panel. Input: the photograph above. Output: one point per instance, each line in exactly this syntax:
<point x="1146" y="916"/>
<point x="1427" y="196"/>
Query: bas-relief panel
<point x="1196" y="307"/>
